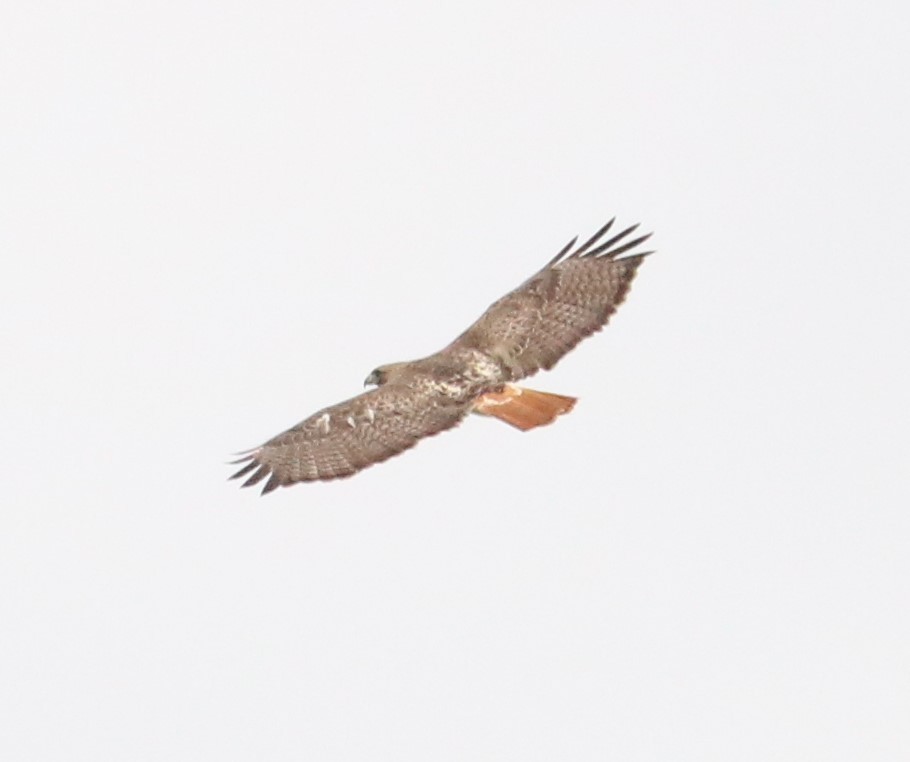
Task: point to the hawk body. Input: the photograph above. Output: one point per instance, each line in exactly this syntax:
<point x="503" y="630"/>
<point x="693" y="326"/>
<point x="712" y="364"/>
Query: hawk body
<point x="529" y="329"/>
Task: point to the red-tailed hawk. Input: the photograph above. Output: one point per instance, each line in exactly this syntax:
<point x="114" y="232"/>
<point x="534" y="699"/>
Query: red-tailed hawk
<point x="529" y="329"/>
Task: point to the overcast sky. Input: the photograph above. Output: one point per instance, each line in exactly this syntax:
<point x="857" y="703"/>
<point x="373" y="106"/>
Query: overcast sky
<point x="219" y="217"/>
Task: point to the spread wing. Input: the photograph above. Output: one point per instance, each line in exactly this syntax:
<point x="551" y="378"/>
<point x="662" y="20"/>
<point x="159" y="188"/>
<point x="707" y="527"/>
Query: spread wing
<point x="573" y="296"/>
<point x="347" y="437"/>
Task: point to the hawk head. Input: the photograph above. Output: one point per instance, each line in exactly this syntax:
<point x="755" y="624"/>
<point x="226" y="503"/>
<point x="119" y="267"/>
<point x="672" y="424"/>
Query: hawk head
<point x="385" y="373"/>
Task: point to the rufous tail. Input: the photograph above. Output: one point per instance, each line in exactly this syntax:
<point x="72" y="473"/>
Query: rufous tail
<point x="524" y="409"/>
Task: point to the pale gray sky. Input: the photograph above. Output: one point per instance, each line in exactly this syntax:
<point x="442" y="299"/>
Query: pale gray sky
<point x="217" y="218"/>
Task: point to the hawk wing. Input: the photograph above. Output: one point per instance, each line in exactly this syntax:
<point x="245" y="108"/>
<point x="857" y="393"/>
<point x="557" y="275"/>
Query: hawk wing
<point x="347" y="437"/>
<point x="570" y="298"/>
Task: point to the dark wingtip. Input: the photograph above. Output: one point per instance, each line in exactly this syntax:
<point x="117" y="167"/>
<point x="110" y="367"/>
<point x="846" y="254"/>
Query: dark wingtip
<point x="609" y="250"/>
<point x="258" y="475"/>
<point x="628" y="246"/>
<point x="561" y="253"/>
<point x="604" y="248"/>
<point x="591" y="248"/>
<point x="245" y="470"/>
<point x="273" y="483"/>
<point x="593" y="239"/>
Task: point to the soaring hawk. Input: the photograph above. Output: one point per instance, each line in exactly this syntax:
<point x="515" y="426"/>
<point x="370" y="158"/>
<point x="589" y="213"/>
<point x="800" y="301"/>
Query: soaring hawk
<point x="529" y="329"/>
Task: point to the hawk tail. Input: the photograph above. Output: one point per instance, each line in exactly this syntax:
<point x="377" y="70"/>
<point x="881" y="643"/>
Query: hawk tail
<point x="524" y="409"/>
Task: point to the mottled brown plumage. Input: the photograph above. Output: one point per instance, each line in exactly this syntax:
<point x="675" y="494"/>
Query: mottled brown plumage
<point x="529" y="329"/>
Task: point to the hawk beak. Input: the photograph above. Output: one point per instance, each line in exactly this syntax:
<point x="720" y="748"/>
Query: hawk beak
<point x="372" y="379"/>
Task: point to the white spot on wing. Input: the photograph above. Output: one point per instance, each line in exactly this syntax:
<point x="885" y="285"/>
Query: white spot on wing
<point x="324" y="422"/>
<point x="447" y="388"/>
<point x="351" y="422"/>
<point x="370" y="414"/>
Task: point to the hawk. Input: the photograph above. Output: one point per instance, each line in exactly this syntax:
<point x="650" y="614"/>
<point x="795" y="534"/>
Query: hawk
<point x="528" y="330"/>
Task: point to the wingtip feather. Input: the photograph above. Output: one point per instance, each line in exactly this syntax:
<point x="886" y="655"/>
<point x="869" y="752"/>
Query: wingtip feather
<point x="629" y="246"/>
<point x="561" y="253"/>
<point x="244" y="471"/>
<point x="591" y="249"/>
<point x="258" y="475"/>
<point x="593" y="239"/>
<point x="273" y="483"/>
